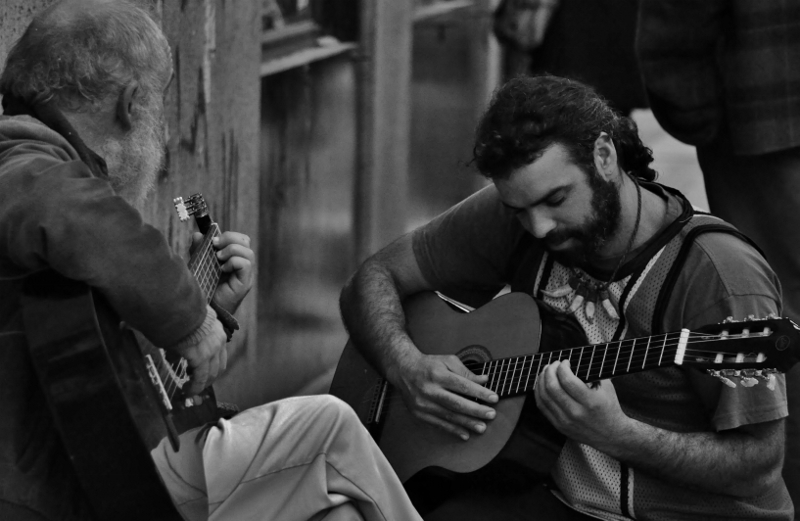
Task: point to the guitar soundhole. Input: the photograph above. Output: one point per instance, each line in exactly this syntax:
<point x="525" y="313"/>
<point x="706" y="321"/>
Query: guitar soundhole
<point x="474" y="356"/>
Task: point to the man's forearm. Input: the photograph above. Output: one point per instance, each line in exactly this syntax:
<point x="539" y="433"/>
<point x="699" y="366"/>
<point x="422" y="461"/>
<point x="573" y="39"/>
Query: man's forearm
<point x="737" y="462"/>
<point x="372" y="311"/>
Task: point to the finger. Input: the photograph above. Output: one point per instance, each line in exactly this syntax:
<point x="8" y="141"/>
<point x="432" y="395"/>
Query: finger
<point x="237" y="265"/>
<point x="468" y="411"/>
<point x="230" y="237"/>
<point x="213" y="369"/>
<point x="452" y="428"/>
<point x="223" y="359"/>
<point x="198" y="380"/>
<point x="573" y="386"/>
<point x="235" y="250"/>
<point x="467" y="391"/>
<point x="197" y="239"/>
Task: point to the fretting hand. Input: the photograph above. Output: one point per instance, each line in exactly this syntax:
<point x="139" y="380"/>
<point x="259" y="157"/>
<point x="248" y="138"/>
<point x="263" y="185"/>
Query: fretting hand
<point x="237" y="260"/>
<point x="589" y="415"/>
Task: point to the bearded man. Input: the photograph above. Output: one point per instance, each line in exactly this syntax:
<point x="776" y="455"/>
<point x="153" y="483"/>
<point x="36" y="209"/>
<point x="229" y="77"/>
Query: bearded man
<point x="81" y="142"/>
<point x="574" y="218"/>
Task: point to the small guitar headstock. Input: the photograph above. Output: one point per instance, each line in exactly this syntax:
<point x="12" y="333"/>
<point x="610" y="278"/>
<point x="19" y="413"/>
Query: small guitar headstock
<point x="195" y="206"/>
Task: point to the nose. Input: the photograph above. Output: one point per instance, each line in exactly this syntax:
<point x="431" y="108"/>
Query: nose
<point x="538" y="223"/>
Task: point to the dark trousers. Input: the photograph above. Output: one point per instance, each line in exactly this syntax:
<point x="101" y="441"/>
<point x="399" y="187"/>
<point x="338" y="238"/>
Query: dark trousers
<point x="760" y="195"/>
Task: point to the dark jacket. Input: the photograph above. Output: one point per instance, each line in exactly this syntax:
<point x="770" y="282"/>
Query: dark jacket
<point x="723" y="69"/>
<point x="54" y="214"/>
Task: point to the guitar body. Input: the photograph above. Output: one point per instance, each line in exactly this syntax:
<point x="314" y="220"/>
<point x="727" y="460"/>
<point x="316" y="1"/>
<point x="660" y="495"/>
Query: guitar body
<point x="508" y="326"/>
<point x="107" y="411"/>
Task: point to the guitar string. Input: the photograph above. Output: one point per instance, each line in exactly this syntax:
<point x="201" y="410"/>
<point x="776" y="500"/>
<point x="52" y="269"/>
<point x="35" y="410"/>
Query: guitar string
<point x="511" y="373"/>
<point x="595" y="367"/>
<point x="619" y="350"/>
<point x="393" y="398"/>
<point x="175" y="375"/>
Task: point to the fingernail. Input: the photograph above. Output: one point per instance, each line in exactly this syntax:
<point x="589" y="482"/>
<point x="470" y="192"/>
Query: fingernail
<point x="480" y="427"/>
<point x="490" y="415"/>
<point x="465" y="436"/>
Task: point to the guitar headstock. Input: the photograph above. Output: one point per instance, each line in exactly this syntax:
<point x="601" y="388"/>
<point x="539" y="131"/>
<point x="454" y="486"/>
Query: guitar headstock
<point x="195" y="206"/>
<point x="747" y="350"/>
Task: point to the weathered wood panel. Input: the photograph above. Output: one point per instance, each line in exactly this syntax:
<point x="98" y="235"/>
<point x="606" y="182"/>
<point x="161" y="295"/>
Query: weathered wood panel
<point x="212" y="121"/>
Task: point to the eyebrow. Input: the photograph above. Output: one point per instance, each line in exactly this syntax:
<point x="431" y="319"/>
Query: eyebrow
<point x="539" y="201"/>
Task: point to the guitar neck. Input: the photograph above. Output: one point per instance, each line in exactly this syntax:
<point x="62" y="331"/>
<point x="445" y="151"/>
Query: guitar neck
<point x="517" y="375"/>
<point x="204" y="264"/>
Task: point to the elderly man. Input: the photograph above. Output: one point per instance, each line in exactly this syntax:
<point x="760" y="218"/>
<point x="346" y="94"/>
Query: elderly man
<point x="80" y="146"/>
<point x="573" y="218"/>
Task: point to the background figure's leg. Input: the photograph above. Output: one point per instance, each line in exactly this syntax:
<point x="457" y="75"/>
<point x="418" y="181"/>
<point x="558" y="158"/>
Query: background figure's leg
<point x="760" y="195"/>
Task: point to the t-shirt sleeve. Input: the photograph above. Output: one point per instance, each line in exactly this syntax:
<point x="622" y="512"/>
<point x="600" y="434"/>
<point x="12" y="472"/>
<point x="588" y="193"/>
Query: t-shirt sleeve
<point x="726" y="277"/>
<point x="467" y="251"/>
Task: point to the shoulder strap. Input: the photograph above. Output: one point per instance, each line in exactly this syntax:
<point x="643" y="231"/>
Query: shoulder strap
<point x="700" y="223"/>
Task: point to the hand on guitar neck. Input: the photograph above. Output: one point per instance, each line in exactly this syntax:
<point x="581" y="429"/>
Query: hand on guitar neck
<point x="236" y="262"/>
<point x="208" y="358"/>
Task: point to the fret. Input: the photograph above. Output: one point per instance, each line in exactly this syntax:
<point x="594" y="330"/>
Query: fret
<point x="528" y="378"/>
<point x="646" y="351"/>
<point x="616" y="359"/>
<point x="580" y="358"/>
<point x="493" y="374"/>
<point x="519" y="380"/>
<point x="589" y="365"/>
<point x="663" y="347"/>
<point x="503" y="372"/>
<point x="538" y="370"/>
<point x="603" y="361"/>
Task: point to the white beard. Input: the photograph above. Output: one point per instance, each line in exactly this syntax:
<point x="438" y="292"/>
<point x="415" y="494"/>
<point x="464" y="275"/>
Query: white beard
<point x="133" y="163"/>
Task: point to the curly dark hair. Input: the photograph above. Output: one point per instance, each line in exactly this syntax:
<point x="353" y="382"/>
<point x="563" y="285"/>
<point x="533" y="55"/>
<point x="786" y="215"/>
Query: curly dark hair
<point x="529" y="114"/>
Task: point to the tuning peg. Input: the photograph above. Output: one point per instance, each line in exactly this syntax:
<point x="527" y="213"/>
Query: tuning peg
<point x="717" y="374"/>
<point x="748" y="381"/>
<point x="728" y="320"/>
<point x="770" y="378"/>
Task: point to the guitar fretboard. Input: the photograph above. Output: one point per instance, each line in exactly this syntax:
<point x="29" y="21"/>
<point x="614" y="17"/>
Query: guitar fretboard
<point x="516" y="375"/>
<point x="204" y="264"/>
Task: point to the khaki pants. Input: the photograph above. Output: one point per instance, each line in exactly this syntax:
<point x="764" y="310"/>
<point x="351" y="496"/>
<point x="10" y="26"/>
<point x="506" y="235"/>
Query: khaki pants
<point x="297" y="459"/>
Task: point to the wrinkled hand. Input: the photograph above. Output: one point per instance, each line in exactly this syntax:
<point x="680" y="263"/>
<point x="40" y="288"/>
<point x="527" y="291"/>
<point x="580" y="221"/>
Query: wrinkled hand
<point x="237" y="261"/>
<point x="207" y="360"/>
<point x="440" y="390"/>
<point x="587" y="415"/>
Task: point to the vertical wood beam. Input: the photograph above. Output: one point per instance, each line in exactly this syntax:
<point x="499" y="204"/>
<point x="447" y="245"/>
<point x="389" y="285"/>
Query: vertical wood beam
<point x="384" y="123"/>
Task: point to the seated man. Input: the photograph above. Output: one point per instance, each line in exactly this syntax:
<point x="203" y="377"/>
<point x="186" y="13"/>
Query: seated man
<point x="573" y="218"/>
<point x="81" y="141"/>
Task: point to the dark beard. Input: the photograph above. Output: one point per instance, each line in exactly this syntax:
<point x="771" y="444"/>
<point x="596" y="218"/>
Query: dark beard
<point x="599" y="228"/>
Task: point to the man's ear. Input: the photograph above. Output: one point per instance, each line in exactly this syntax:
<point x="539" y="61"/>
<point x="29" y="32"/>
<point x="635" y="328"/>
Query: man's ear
<point x="605" y="155"/>
<point x="125" y="105"/>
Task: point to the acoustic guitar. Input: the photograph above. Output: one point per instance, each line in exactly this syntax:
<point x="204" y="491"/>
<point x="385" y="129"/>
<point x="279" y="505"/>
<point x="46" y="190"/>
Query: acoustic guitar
<point x="114" y="396"/>
<point x="502" y="340"/>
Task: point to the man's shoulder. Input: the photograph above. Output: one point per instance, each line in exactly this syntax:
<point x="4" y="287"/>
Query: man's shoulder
<point x="731" y="260"/>
<point x="27" y="135"/>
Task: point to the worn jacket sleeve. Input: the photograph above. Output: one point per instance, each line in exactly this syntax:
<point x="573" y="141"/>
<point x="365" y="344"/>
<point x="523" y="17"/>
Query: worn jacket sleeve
<point x="54" y="213"/>
<point x="677" y="43"/>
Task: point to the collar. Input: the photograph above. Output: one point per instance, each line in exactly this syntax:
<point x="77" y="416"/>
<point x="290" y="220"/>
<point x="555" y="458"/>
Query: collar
<point x="50" y="115"/>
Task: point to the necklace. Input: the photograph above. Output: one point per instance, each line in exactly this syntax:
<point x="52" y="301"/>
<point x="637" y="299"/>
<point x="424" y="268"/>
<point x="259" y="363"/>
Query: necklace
<point x="585" y="291"/>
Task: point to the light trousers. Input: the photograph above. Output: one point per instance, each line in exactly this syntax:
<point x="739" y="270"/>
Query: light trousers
<point x="297" y="459"/>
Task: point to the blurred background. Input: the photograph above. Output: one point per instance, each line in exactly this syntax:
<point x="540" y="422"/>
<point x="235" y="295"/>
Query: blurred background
<point x="324" y="129"/>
